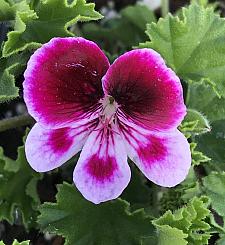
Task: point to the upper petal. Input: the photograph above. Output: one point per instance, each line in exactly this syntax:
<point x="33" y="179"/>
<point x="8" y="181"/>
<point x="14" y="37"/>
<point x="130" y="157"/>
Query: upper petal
<point x="164" y="158"/>
<point x="149" y="92"/>
<point x="62" y="84"/>
<point x="47" y="149"/>
<point x="102" y="172"/>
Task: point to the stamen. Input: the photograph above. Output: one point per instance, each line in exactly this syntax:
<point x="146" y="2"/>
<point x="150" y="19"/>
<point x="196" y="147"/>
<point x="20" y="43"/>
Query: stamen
<point x="107" y="116"/>
<point x="111" y="100"/>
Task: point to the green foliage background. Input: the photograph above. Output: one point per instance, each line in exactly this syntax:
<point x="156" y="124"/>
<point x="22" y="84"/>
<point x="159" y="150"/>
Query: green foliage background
<point x="192" y="43"/>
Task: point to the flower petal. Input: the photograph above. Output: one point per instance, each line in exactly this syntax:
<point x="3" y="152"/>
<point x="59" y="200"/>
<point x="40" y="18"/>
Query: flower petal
<point x="62" y="84"/>
<point x="164" y="158"/>
<point x="102" y="172"/>
<point x="148" y="92"/>
<point x="48" y="149"/>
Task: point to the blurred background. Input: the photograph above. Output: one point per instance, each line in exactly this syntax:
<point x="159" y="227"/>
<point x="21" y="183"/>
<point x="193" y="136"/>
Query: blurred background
<point x="153" y="4"/>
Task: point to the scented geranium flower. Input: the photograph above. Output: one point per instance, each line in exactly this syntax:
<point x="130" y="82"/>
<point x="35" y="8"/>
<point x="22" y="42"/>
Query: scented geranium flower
<point x="129" y="109"/>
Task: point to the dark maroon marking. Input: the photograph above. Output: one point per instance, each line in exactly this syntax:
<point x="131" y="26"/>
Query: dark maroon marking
<point x="146" y="90"/>
<point x="69" y="81"/>
<point x="155" y="151"/>
<point x="83" y="86"/>
<point x="101" y="169"/>
<point x="142" y="94"/>
<point x="60" y="140"/>
<point x="66" y="81"/>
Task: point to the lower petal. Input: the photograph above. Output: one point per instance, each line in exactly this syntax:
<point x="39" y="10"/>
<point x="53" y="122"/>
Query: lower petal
<point x="102" y="172"/>
<point x="164" y="158"/>
<point x="48" y="149"/>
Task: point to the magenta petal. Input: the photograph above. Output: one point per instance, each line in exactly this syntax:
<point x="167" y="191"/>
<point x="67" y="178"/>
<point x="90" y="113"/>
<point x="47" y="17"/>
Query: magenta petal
<point x="164" y="158"/>
<point x="149" y="92"/>
<point x="102" y="172"/>
<point x="48" y="149"/>
<point x="62" y="84"/>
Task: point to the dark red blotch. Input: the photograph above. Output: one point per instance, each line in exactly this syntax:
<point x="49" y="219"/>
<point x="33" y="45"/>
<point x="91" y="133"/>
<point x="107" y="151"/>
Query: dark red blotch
<point x="101" y="169"/>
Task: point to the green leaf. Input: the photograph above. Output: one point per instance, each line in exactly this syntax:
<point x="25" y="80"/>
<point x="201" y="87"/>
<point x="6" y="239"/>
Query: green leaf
<point x="204" y="99"/>
<point x="197" y="156"/>
<point x="205" y="3"/>
<point x="194" y="123"/>
<point x="213" y="144"/>
<point x="175" y="198"/>
<point x="82" y="222"/>
<point x="190" y="187"/>
<point x="5" y="11"/>
<point x="171" y="236"/>
<point x="192" y="44"/>
<point x="15" y="242"/>
<point x="217" y="223"/>
<point x="18" y="190"/>
<point x="8" y="90"/>
<point x="121" y="33"/>
<point x="51" y="18"/>
<point x="214" y="185"/>
<point x="21" y="243"/>
<point x="137" y="185"/>
<point x="138" y="15"/>
<point x="9" y="68"/>
<point x="8" y="11"/>
<point x="201" y="2"/>
<point x="221" y="241"/>
<point x="189" y="220"/>
<point x="171" y="200"/>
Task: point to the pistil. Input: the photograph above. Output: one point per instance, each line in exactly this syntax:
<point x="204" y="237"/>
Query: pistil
<point x="108" y="113"/>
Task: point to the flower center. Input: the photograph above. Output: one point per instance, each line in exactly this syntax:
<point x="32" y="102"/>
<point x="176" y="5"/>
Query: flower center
<point x="109" y="108"/>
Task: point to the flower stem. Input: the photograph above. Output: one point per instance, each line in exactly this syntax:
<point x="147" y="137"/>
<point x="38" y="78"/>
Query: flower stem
<point x="164" y="7"/>
<point x="15" y="122"/>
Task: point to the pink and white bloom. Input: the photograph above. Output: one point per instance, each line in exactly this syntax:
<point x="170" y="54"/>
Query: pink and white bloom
<point x="129" y="109"/>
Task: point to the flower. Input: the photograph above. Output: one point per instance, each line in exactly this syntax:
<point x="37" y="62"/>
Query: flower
<point x="129" y="109"/>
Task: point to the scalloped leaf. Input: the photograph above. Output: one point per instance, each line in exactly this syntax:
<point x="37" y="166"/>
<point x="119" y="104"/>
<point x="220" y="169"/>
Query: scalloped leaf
<point x="5" y="11"/>
<point x="18" y="190"/>
<point x="51" y="18"/>
<point x="204" y="99"/>
<point x="190" y="220"/>
<point x="197" y="156"/>
<point x="8" y="89"/>
<point x="194" y="123"/>
<point x="214" y="185"/>
<point x="190" y="187"/>
<point x="9" y="68"/>
<point x="82" y="222"/>
<point x="8" y="11"/>
<point x="213" y="144"/>
<point x="171" y="236"/>
<point x="15" y="242"/>
<point x="192" y="44"/>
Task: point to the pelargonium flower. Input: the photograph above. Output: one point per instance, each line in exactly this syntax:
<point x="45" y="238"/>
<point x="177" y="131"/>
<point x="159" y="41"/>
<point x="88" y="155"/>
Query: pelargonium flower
<point x="129" y="109"/>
